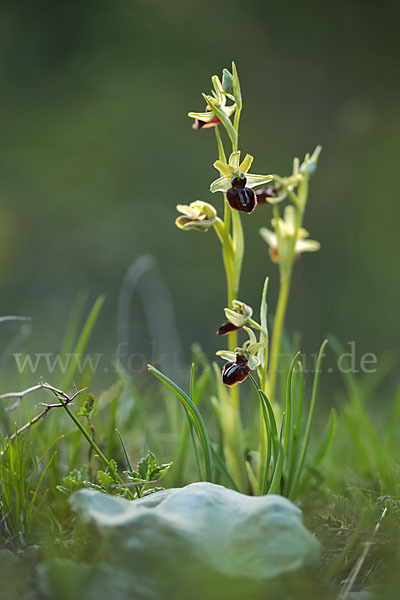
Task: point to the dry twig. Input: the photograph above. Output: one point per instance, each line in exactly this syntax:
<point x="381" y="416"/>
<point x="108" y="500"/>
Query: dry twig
<point x="63" y="397"/>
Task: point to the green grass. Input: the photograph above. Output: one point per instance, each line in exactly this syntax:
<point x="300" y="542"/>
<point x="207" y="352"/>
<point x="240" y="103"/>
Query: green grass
<point x="344" y="473"/>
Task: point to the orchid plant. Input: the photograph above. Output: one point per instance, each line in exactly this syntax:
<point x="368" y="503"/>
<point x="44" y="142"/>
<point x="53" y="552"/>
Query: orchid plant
<point x="242" y="192"/>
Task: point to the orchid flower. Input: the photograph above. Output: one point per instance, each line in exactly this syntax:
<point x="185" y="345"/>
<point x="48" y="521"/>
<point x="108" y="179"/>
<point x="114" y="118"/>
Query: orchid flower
<point x="234" y="167"/>
<point x="280" y="241"/>
<point x="241" y="361"/>
<point x="198" y="215"/>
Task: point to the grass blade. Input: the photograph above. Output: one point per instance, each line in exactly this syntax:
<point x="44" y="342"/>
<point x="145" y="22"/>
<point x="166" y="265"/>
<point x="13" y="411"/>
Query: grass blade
<point x="322" y="448"/>
<point x="83" y="341"/>
<point x="128" y="462"/>
<point x="221" y="467"/>
<point x="275" y="486"/>
<point x="296" y="424"/>
<point x="271" y="431"/>
<point x="309" y="420"/>
<point x="288" y="410"/>
<point x="195" y="416"/>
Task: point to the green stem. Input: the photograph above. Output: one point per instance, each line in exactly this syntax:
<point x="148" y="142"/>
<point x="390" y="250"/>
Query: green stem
<point x="228" y="254"/>
<point x="92" y="442"/>
<point x="276" y="336"/>
<point x="252" y="323"/>
<point x="227" y="217"/>
<point x="238" y="250"/>
<point x="221" y="151"/>
<point x="236" y="127"/>
<point x="233" y="280"/>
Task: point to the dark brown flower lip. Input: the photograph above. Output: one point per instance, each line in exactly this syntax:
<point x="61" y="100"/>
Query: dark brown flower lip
<point x="235" y="372"/>
<point x="243" y="199"/>
<point x="227" y="328"/>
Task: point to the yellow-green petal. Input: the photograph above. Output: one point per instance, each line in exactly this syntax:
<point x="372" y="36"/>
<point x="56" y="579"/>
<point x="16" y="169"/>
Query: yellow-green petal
<point x="227" y="355"/>
<point x="220" y="185"/>
<point x="246" y="163"/>
<point x="223" y="168"/>
<point x="255" y="180"/>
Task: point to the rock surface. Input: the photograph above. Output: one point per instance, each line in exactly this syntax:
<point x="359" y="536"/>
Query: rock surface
<point x="199" y="533"/>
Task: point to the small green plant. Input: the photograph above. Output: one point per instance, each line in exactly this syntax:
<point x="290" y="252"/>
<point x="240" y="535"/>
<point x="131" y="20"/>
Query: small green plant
<point x="148" y="473"/>
<point x="21" y="479"/>
<point x="109" y="482"/>
<point x="74" y="481"/>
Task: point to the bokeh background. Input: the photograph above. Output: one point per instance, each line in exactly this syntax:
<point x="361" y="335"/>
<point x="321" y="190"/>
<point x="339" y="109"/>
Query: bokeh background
<point x="96" y="151"/>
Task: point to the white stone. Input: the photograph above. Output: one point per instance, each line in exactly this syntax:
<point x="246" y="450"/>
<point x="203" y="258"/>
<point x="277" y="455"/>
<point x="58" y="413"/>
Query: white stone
<point x="204" y="524"/>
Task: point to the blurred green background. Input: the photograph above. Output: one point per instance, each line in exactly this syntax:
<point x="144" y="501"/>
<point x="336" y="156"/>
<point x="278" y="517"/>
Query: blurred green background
<point x="97" y="150"/>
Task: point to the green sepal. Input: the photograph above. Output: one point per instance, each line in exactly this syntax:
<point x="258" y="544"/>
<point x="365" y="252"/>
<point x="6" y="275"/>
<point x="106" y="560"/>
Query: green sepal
<point x="263" y="353"/>
<point x="236" y="87"/>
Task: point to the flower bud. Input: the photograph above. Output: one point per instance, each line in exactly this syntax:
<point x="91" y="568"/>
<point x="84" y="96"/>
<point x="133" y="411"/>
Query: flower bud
<point x="227" y="82"/>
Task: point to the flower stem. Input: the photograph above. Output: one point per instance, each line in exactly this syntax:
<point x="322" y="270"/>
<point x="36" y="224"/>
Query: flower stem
<point x="234" y="280"/>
